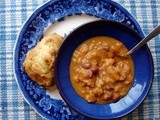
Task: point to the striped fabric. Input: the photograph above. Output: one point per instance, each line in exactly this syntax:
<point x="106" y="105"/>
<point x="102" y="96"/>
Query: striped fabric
<point x="13" y="14"/>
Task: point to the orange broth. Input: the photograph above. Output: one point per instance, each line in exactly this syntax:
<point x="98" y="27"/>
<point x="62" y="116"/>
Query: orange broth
<point x="99" y="73"/>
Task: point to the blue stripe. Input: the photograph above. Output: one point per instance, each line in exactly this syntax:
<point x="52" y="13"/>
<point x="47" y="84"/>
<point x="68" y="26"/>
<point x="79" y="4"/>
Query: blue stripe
<point x="2" y="37"/>
<point x="157" y="44"/>
<point x="12" y="38"/>
<point x="133" y="6"/>
<point x="35" y="5"/>
<point x="3" y="85"/>
<point x="23" y="11"/>
<point x="4" y="102"/>
<point x="27" y="110"/>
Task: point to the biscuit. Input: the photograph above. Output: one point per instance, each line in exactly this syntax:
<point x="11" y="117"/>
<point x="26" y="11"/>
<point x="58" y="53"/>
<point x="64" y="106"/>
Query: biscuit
<point x="39" y="61"/>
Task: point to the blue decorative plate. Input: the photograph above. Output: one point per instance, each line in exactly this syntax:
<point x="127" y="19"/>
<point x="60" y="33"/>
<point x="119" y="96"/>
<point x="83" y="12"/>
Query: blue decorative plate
<point x="60" y="17"/>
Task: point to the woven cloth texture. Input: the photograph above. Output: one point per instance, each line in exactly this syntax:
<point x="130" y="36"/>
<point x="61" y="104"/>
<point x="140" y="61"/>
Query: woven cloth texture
<point x="13" y="13"/>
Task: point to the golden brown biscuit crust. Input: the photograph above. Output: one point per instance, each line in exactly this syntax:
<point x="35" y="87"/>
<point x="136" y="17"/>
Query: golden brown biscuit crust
<point x="39" y="61"/>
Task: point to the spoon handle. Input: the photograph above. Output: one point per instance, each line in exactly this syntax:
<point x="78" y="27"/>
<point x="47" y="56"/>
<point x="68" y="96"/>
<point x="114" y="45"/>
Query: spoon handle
<point x="151" y="35"/>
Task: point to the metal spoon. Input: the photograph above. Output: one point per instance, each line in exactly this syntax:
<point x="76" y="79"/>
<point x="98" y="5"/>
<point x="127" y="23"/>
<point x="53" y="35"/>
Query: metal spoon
<point x="151" y="35"/>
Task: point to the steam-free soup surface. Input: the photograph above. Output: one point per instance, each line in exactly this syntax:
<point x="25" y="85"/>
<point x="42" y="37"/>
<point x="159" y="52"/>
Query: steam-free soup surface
<point x="99" y="73"/>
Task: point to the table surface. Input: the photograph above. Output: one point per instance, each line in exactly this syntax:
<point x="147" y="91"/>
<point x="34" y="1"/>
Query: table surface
<point x="13" y="14"/>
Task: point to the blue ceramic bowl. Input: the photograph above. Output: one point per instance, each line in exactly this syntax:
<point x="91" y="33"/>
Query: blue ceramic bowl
<point x="143" y="64"/>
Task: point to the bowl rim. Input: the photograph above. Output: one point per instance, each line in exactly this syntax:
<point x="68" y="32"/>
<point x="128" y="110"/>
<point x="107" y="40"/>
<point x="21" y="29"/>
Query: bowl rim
<point x="130" y="110"/>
